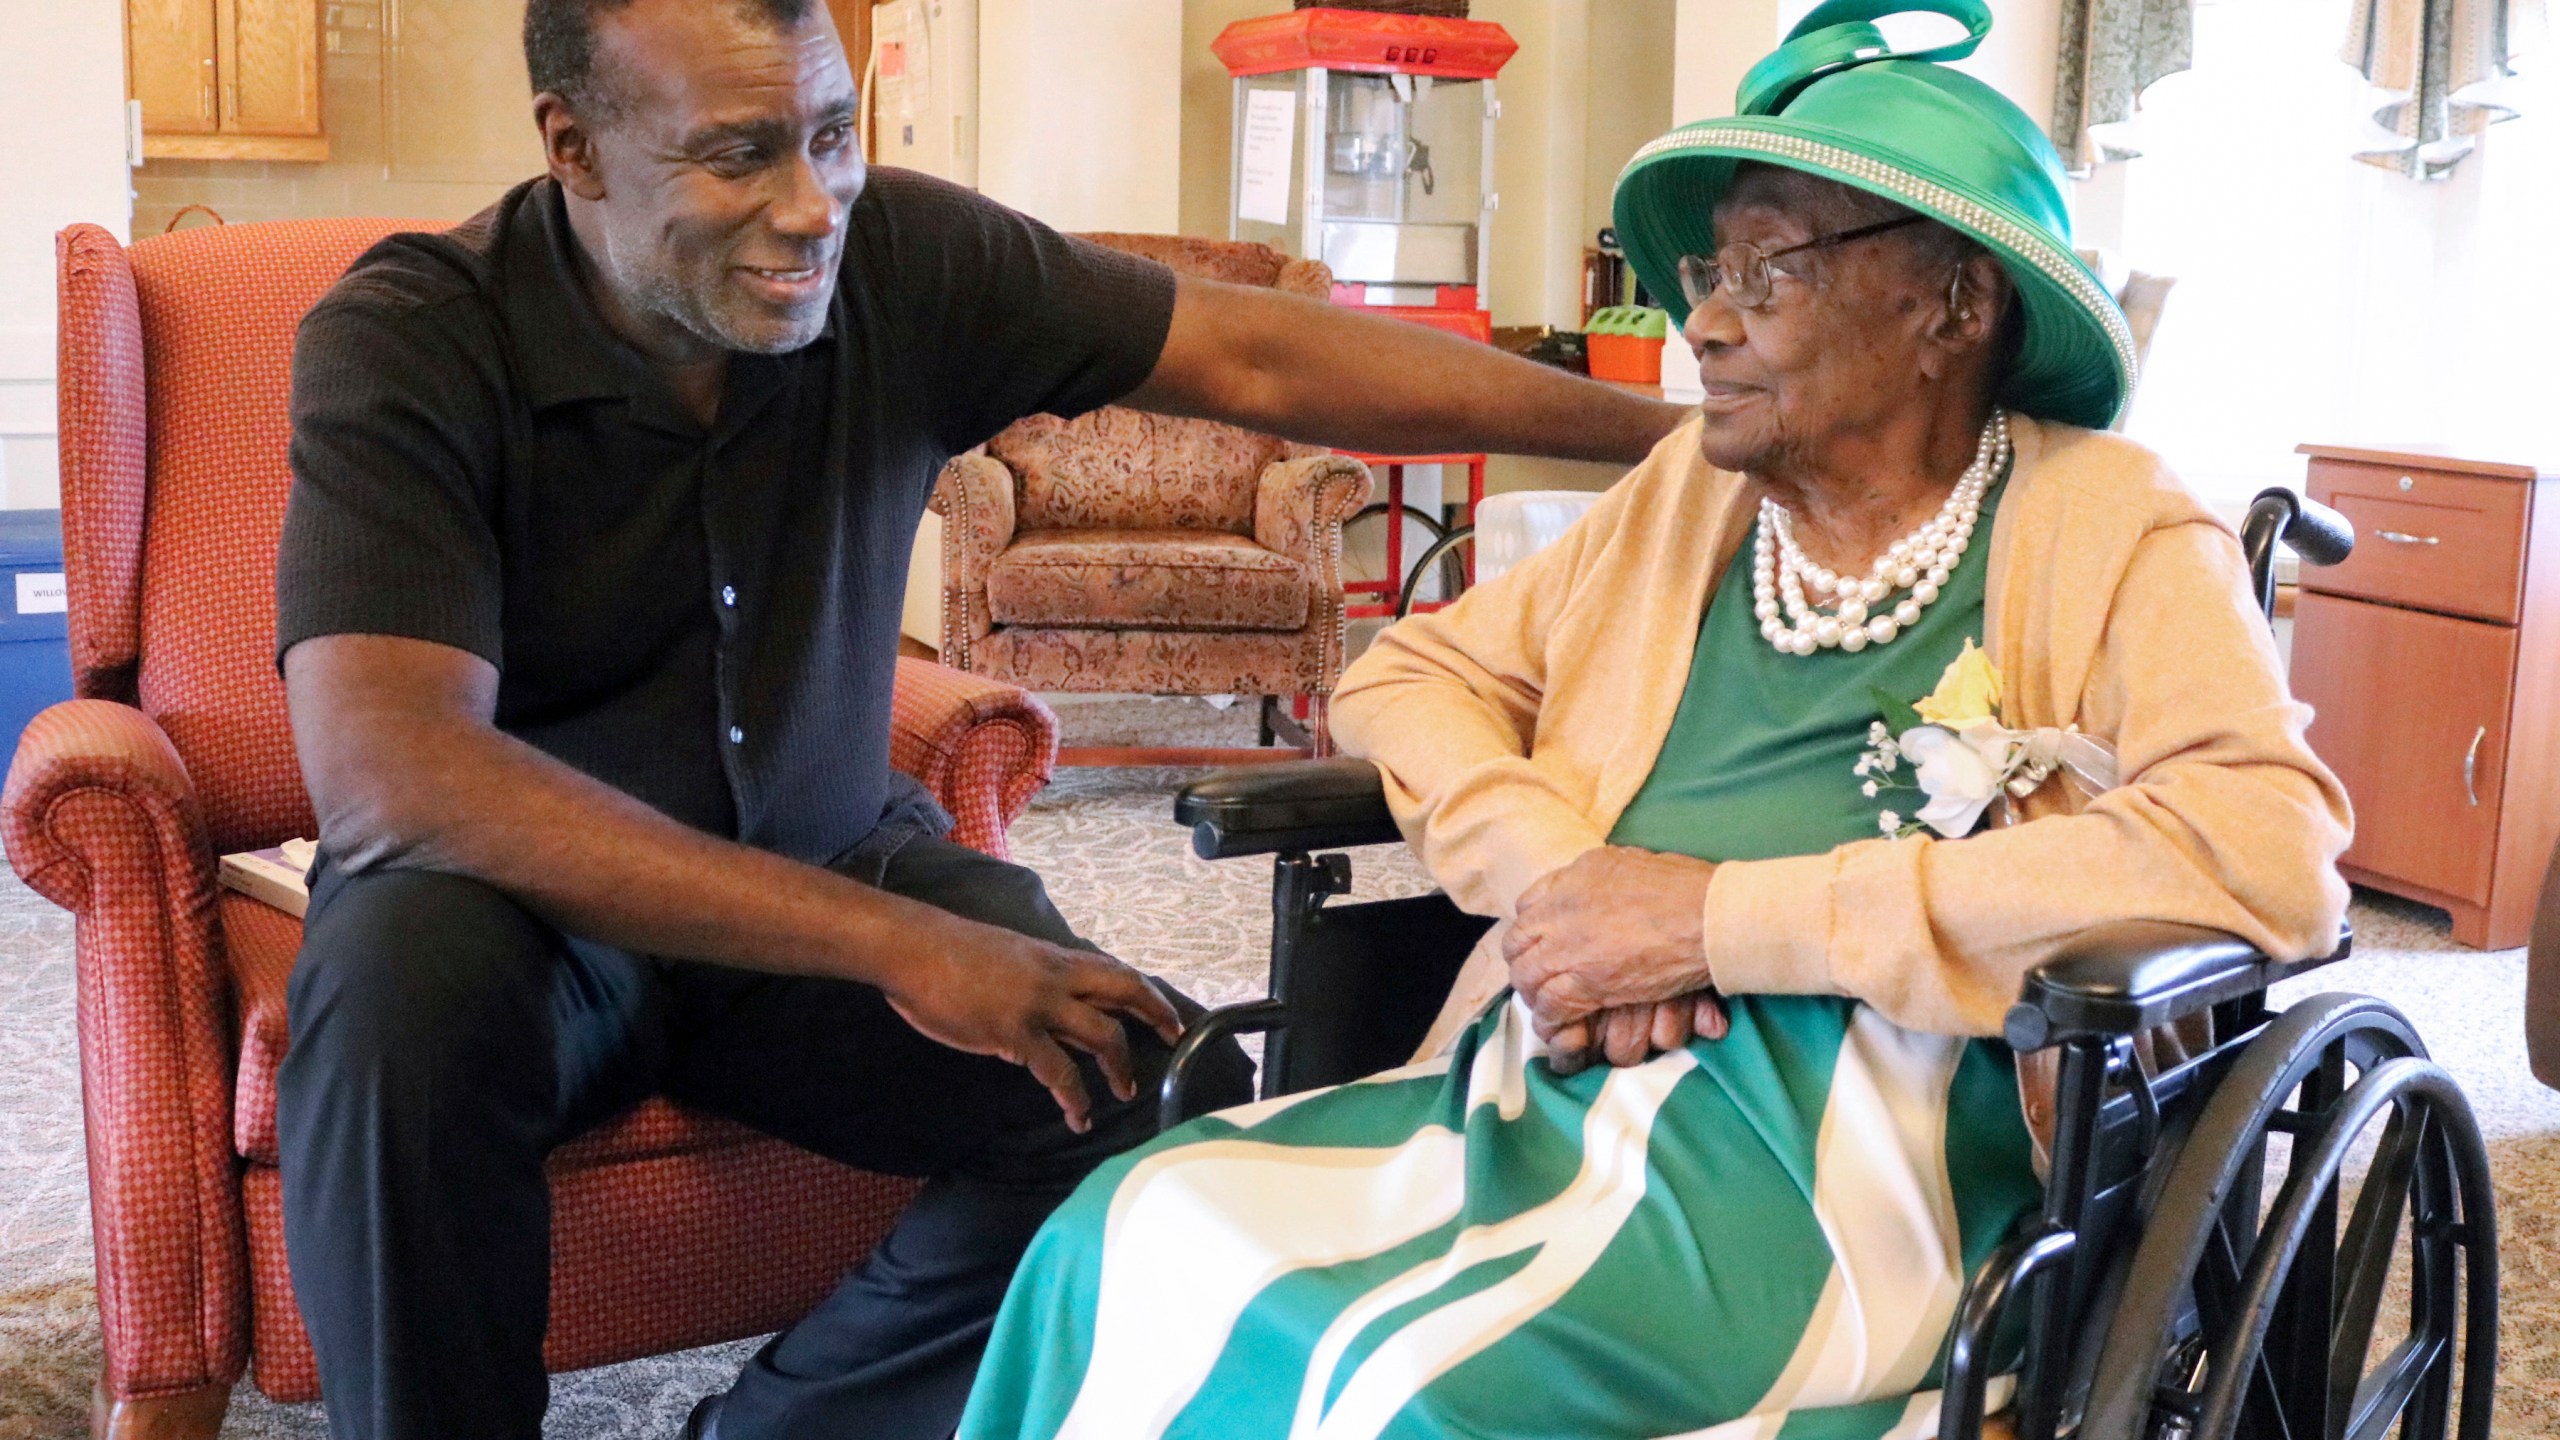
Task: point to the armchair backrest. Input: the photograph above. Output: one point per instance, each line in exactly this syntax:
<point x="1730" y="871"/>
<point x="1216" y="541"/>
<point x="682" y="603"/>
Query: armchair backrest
<point x="175" y="373"/>
<point x="1121" y="469"/>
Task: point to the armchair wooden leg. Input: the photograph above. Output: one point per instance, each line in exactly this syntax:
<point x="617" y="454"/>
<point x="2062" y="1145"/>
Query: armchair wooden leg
<point x="1320" y="726"/>
<point x="187" y="1415"/>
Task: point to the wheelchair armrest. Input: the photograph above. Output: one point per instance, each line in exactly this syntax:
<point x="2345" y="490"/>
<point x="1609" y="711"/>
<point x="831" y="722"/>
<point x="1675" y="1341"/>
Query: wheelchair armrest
<point x="2125" y="978"/>
<point x="1296" y="806"/>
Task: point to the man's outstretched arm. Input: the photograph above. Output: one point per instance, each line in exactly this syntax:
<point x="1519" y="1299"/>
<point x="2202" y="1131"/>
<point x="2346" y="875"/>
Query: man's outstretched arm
<point x="406" y="768"/>
<point x="1289" y="365"/>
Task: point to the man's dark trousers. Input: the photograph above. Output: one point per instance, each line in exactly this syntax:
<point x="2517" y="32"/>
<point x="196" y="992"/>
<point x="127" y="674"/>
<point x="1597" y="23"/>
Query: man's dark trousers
<point x="444" y="1041"/>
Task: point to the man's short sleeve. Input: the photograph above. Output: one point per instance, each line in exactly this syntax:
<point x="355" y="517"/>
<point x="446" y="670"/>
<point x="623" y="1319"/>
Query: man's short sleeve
<point x="1015" y="318"/>
<point x="396" y="443"/>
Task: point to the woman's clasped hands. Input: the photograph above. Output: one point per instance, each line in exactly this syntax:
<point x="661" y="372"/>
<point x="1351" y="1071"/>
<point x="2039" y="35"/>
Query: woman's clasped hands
<point x="1609" y="950"/>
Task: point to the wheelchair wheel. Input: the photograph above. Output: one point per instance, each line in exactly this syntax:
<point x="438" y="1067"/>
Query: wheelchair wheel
<point x="2251" y="1309"/>
<point x="1435" y="551"/>
<point x="1443" y="553"/>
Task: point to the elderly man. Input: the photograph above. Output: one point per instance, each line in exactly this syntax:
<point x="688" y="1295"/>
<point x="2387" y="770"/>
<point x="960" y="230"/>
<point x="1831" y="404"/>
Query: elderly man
<point x="587" y="610"/>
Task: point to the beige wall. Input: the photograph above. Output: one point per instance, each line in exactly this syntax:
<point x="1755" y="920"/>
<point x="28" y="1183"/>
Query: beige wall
<point x="1631" y="80"/>
<point x="425" y="106"/>
<point x="1081" y="111"/>
<point x="1208" y="112"/>
<point x="1718" y="40"/>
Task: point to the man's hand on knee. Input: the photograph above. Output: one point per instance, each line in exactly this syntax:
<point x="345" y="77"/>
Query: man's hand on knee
<point x="990" y="991"/>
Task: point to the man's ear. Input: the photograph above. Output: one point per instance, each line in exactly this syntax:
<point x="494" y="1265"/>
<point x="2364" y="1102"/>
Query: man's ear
<point x="569" y="146"/>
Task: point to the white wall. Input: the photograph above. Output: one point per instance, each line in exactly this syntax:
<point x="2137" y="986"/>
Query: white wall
<point x="1080" y="111"/>
<point x="62" y="159"/>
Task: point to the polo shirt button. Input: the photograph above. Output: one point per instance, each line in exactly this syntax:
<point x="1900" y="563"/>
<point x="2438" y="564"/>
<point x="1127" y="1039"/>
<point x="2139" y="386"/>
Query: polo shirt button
<point x="729" y="595"/>
<point x="737" y="735"/>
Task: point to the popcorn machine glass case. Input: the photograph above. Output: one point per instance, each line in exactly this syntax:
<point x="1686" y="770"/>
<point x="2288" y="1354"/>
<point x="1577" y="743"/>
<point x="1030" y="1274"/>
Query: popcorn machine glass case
<point x="1365" y="140"/>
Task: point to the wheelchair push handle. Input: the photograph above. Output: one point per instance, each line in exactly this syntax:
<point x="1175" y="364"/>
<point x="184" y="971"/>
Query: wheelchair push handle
<point x="2320" y="535"/>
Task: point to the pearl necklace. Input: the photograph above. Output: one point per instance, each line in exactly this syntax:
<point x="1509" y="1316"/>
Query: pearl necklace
<point x="1782" y="574"/>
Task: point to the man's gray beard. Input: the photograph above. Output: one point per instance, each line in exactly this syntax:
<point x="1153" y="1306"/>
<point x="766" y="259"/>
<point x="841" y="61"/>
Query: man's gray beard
<point x="656" y="292"/>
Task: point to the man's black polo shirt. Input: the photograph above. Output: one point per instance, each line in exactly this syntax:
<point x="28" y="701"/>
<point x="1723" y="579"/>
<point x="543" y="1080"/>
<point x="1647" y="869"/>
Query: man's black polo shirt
<point x="707" y="620"/>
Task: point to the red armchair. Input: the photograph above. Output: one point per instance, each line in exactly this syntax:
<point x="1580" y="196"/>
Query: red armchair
<point x="670" y="1229"/>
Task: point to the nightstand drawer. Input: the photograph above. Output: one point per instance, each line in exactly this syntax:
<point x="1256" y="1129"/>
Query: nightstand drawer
<point x="2425" y="539"/>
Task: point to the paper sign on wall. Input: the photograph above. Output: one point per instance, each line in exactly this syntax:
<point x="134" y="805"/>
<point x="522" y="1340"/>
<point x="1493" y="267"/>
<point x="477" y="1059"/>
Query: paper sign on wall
<point x="42" y="593"/>
<point x="1264" y="160"/>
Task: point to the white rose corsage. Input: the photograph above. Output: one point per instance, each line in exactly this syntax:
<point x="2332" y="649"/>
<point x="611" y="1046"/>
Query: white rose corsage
<point x="1962" y="759"/>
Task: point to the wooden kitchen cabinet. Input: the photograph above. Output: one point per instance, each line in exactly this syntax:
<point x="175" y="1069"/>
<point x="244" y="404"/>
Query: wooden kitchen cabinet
<point x="2432" y="660"/>
<point x="227" y="79"/>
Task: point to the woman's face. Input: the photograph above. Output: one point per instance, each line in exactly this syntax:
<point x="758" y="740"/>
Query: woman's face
<point x="1850" y="334"/>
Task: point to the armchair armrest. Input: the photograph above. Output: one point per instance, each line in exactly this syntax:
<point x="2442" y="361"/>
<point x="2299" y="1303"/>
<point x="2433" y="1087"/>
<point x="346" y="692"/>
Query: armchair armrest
<point x="100" y="817"/>
<point x="2127" y="978"/>
<point x="1299" y="505"/>
<point x="84" y="751"/>
<point x="1295" y="806"/>
<point x="974" y="497"/>
<point x="982" y="747"/>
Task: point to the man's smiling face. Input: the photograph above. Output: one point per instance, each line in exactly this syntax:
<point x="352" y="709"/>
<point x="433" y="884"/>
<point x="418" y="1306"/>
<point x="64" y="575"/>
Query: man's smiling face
<point x="729" y="160"/>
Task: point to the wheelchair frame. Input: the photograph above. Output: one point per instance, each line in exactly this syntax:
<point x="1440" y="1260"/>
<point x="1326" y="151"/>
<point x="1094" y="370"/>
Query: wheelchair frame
<point x="2166" y="1291"/>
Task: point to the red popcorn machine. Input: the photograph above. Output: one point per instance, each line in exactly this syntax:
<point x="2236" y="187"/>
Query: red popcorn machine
<point x="1365" y="140"/>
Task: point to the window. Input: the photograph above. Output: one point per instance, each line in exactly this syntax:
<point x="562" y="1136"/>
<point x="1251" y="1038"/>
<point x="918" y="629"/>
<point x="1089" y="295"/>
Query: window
<point x="2320" y="298"/>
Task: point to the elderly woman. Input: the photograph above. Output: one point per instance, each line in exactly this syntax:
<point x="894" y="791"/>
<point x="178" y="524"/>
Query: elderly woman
<point x="1722" y="1160"/>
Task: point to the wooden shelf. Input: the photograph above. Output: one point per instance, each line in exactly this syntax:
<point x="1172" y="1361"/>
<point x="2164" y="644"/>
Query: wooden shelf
<point x="296" y="149"/>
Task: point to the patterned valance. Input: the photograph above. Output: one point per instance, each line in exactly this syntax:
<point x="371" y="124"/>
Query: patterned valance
<point x="2442" y="71"/>
<point x="2111" y="51"/>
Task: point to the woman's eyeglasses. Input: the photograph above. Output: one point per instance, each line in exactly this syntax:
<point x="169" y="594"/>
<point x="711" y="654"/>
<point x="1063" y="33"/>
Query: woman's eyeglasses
<point x="1741" y="269"/>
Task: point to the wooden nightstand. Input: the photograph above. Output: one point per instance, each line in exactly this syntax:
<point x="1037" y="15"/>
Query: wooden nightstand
<point x="2432" y="657"/>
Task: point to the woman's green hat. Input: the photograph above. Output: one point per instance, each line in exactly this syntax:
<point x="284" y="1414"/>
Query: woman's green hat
<point x="1836" y="100"/>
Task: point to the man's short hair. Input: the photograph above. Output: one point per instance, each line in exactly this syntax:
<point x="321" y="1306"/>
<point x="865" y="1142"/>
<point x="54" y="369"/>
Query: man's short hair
<point x="560" y="45"/>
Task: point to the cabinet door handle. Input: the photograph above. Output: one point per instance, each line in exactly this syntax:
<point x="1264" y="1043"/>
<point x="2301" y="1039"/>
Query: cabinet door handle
<point x="2403" y="537"/>
<point x="2471" y="764"/>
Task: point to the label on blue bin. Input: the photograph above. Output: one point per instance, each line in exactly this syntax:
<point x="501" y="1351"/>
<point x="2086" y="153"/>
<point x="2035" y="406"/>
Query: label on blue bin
<point x="42" y="592"/>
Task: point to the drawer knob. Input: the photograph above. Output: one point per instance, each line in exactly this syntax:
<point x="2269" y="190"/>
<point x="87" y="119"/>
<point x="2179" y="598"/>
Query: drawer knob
<point x="2403" y="537"/>
<point x="2471" y="764"/>
<point x="2407" y="483"/>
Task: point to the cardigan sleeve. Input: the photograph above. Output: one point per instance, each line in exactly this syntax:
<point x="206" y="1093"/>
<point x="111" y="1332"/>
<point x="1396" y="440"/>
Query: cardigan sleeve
<point x="1446" y="704"/>
<point x="2225" y="819"/>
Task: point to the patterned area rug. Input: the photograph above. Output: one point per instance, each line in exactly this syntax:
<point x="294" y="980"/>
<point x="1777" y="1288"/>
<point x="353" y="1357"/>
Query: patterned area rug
<point x="1124" y="873"/>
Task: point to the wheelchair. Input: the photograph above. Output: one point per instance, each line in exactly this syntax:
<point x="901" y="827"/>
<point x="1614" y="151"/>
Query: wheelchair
<point x="2197" y="1270"/>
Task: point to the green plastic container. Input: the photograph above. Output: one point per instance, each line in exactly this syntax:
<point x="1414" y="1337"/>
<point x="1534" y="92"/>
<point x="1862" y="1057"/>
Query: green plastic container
<point x="1640" y="321"/>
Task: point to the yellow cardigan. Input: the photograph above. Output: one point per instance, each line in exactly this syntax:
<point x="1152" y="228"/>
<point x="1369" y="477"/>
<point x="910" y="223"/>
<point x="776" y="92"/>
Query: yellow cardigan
<point x="1516" y="725"/>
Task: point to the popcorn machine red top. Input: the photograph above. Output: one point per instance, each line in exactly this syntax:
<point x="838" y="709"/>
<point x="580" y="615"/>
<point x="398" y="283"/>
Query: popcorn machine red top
<point x="1365" y="140"/>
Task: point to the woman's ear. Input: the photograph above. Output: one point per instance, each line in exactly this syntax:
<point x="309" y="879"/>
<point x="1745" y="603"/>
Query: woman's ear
<point x="1971" y="307"/>
<point x="1977" y="296"/>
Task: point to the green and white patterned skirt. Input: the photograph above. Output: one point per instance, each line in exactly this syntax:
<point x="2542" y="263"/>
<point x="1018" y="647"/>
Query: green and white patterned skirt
<point x="1756" y="1238"/>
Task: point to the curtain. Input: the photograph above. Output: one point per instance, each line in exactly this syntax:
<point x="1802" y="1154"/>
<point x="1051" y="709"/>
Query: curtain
<point x="2441" y="72"/>
<point x="2111" y="51"/>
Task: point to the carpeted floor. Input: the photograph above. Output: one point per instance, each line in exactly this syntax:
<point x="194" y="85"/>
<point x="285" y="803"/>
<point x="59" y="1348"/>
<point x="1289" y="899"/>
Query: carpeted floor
<point x="1124" y="873"/>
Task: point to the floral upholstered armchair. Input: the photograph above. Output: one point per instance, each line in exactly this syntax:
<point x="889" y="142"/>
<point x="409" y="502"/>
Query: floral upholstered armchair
<point x="1134" y="553"/>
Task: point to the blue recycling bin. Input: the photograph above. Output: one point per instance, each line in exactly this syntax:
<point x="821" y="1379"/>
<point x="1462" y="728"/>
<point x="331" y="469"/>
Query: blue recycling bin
<point x="35" y="621"/>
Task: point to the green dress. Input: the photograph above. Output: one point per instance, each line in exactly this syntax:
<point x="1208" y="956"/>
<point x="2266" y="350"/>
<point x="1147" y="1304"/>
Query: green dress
<point x="1763" y="1236"/>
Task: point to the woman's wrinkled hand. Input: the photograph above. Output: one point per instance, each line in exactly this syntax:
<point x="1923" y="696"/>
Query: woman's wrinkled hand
<point x="1618" y="927"/>
<point x="1633" y="1034"/>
